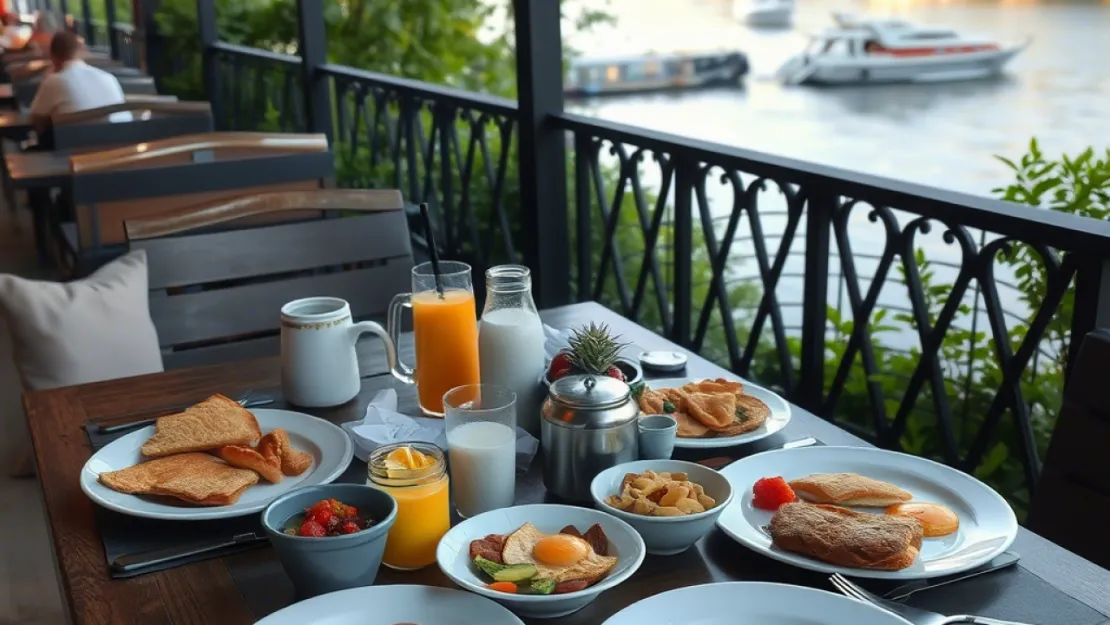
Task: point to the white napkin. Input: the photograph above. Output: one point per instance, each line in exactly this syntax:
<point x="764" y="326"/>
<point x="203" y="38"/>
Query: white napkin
<point x="555" y="341"/>
<point x="383" y="425"/>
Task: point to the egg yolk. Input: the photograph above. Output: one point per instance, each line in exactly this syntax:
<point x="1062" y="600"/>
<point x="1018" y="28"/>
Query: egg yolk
<point x="936" y="519"/>
<point x="559" y="550"/>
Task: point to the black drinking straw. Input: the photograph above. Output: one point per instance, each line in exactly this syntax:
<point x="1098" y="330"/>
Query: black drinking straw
<point x="431" y="240"/>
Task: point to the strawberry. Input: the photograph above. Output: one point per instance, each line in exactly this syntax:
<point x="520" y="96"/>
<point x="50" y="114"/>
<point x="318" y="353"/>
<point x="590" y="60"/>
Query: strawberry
<point x="350" y="512"/>
<point x="312" y="529"/>
<point x="561" y="365"/>
<point x="772" y="492"/>
<point x="615" y="372"/>
<point x="350" y="527"/>
<point x="323" y="516"/>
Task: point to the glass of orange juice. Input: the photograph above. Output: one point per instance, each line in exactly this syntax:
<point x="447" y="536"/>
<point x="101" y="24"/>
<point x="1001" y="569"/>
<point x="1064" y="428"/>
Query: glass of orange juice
<point x="445" y="326"/>
<point x="415" y="474"/>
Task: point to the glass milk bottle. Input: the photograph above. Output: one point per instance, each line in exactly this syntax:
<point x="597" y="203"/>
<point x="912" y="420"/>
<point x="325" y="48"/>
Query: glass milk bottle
<point x="510" y="341"/>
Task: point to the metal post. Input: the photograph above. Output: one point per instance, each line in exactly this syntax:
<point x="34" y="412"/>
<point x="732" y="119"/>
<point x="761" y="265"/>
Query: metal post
<point x="542" y="150"/>
<point x="152" y="55"/>
<point x="820" y="206"/>
<point x="313" y="48"/>
<point x="209" y="35"/>
<point x="86" y="19"/>
<point x="110" y="18"/>
<point x="1091" y="310"/>
<point x="686" y="169"/>
<point x="583" y="203"/>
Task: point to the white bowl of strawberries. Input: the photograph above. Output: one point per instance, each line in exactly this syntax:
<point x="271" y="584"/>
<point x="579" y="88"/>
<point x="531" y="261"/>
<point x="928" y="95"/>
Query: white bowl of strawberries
<point x="592" y="349"/>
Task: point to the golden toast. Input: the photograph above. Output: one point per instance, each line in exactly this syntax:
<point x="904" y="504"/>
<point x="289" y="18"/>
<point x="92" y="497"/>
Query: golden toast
<point x="848" y="489"/>
<point x="195" y="478"/>
<point x="845" y="537"/>
<point x="211" y="424"/>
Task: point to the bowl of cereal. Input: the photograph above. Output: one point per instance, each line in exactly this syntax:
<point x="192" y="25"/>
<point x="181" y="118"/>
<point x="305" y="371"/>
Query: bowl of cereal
<point x="670" y="503"/>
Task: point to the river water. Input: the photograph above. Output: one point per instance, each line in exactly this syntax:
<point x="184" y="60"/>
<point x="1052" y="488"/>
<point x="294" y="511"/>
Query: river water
<point x="943" y="135"/>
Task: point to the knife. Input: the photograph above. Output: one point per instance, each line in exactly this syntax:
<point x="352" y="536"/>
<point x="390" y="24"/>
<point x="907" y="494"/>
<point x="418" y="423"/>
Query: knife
<point x="1002" y="561"/>
<point x="131" y="562"/>
<point x="108" y="429"/>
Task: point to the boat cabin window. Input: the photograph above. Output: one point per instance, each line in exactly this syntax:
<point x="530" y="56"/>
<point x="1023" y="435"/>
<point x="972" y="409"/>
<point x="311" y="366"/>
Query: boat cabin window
<point x="935" y="34"/>
<point x="836" y="47"/>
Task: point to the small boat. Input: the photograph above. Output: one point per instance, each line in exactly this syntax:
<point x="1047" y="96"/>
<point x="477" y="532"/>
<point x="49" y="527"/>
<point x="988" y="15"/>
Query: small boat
<point x="764" y="13"/>
<point x="590" y="77"/>
<point x="886" y="51"/>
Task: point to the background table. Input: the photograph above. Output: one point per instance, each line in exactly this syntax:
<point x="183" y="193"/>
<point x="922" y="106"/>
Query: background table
<point x="244" y="587"/>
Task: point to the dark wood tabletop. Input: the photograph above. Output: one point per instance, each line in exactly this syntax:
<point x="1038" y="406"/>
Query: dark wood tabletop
<point x="14" y="124"/>
<point x="34" y="169"/>
<point x="247" y="586"/>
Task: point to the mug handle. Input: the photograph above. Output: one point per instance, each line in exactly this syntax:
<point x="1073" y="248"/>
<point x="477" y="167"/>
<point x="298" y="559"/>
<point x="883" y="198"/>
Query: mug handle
<point x="400" y="370"/>
<point x="358" y="329"/>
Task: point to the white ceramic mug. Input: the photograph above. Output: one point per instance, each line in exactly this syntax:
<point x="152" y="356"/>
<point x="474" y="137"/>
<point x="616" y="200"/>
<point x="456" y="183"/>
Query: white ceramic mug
<point x="319" y="366"/>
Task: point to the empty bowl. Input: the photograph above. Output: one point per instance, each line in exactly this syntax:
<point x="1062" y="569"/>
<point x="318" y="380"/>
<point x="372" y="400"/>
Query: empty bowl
<point x="665" y="535"/>
<point x="330" y="563"/>
<point x="453" y="554"/>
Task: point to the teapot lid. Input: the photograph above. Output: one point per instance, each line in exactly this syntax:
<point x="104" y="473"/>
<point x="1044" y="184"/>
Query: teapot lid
<point x="590" y="400"/>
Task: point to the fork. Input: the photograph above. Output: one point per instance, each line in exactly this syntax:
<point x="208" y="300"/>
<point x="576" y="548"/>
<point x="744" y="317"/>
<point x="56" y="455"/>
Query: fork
<point x="916" y="616"/>
<point x="245" y="401"/>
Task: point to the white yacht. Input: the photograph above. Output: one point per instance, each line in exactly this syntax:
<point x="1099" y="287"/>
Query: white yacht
<point x="764" y="13"/>
<point x="882" y="51"/>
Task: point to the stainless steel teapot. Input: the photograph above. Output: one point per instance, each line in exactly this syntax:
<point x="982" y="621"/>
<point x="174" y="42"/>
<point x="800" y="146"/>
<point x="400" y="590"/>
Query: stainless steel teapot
<point x="588" y="424"/>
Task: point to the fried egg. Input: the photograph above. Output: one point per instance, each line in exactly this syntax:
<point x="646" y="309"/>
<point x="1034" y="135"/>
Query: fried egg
<point x="936" y="519"/>
<point x="559" y="557"/>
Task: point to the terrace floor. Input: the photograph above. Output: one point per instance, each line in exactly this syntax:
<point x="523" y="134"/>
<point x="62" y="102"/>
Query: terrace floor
<point x="28" y="590"/>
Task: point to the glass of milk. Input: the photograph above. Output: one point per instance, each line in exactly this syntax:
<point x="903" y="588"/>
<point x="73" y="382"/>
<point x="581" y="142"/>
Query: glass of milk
<point x="481" y="446"/>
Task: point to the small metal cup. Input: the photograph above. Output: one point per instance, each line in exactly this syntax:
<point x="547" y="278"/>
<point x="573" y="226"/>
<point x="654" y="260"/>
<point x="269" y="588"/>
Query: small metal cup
<point x="657" y="436"/>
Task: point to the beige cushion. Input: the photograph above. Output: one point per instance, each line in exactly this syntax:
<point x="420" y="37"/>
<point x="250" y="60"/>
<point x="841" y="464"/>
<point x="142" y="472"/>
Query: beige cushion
<point x="98" y="328"/>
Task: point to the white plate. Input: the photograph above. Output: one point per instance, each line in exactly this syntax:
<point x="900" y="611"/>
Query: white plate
<point x="453" y="554"/>
<point x="330" y="447"/>
<point x="732" y="603"/>
<point x="780" y="416"/>
<point x="987" y="523"/>
<point x="391" y="605"/>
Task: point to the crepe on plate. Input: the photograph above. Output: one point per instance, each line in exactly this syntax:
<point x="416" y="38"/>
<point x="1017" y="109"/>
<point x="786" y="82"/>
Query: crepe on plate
<point x="845" y="537"/>
<point x="848" y="489"/>
<point x="709" y="408"/>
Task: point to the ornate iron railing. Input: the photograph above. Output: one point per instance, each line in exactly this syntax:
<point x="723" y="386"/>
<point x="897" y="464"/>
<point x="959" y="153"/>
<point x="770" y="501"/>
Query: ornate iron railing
<point x="258" y="90"/>
<point x="921" y="319"/>
<point x="934" y="322"/>
<point x="450" y="148"/>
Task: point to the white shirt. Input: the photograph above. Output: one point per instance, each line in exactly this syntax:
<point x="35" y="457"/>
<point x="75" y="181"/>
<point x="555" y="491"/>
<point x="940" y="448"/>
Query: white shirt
<point x="78" y="87"/>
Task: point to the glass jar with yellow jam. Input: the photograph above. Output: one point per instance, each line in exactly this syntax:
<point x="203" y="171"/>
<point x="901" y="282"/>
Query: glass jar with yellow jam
<point x="415" y="474"/>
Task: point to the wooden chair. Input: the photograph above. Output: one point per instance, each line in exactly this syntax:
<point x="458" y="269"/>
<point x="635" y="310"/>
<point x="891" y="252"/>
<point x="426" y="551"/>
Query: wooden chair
<point x="215" y="295"/>
<point x="149" y="121"/>
<point x="161" y="176"/>
<point x="1072" y="503"/>
<point x="24" y="91"/>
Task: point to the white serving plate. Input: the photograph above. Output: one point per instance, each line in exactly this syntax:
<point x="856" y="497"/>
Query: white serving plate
<point x="758" y="603"/>
<point x="330" y="447"/>
<point x="390" y="605"/>
<point x="780" y="416"/>
<point x="453" y="554"/>
<point x="987" y="523"/>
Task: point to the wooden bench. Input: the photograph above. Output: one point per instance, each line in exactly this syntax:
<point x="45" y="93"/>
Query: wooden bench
<point x="216" y="292"/>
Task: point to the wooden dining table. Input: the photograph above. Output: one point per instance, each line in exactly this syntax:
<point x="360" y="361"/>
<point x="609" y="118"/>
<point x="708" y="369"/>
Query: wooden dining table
<point x="244" y="587"/>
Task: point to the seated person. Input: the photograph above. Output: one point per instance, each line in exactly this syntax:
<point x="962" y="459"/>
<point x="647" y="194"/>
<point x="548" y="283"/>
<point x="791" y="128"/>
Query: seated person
<point x="46" y="25"/>
<point x="15" y="35"/>
<point x="74" y="86"/>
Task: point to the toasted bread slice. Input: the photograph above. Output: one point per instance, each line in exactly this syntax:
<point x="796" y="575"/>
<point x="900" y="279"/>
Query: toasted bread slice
<point x="848" y="489"/>
<point x="845" y="537"/>
<point x="195" y="478"/>
<point x="269" y="467"/>
<point x="209" y="425"/>
<point x="276" y="443"/>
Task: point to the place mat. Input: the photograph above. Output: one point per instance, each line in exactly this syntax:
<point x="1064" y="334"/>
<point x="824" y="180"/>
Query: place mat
<point x="1012" y="594"/>
<point x="122" y="534"/>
